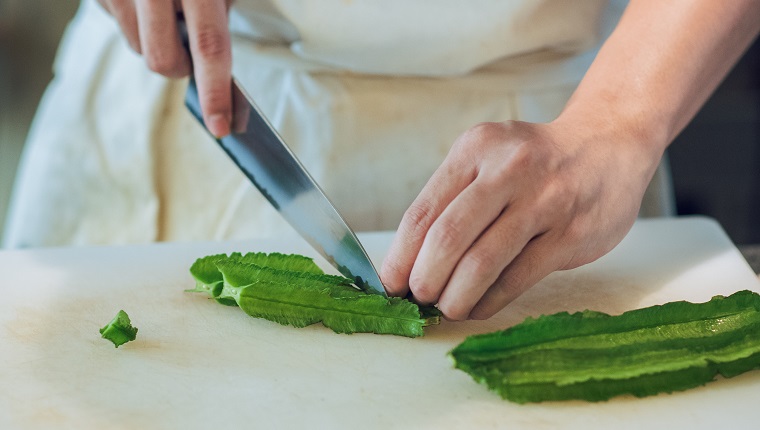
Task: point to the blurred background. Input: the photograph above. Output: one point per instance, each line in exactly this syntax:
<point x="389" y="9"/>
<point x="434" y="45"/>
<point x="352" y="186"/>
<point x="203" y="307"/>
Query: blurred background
<point x="715" y="161"/>
<point x="29" y="35"/>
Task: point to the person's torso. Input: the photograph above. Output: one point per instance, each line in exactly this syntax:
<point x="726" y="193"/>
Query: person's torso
<point x="419" y="37"/>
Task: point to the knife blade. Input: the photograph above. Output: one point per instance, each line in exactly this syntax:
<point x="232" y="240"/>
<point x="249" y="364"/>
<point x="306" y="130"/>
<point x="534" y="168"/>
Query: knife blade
<point x="264" y="157"/>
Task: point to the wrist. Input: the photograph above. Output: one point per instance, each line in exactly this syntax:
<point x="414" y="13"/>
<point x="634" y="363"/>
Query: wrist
<point x="626" y="143"/>
<point x="619" y="121"/>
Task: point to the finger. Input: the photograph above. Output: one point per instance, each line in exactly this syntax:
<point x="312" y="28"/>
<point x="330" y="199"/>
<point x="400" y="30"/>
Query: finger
<point x="212" y="61"/>
<point x="451" y="235"/>
<point x="124" y="13"/>
<point x="160" y="40"/>
<point x="482" y="264"/>
<point x="539" y="258"/>
<point x="446" y="183"/>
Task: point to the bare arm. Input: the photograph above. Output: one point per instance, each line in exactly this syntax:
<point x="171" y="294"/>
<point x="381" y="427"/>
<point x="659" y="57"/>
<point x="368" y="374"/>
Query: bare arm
<point x="663" y="61"/>
<point x="516" y="201"/>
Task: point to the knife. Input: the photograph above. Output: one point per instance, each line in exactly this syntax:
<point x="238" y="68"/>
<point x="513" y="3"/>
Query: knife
<point x="259" y="151"/>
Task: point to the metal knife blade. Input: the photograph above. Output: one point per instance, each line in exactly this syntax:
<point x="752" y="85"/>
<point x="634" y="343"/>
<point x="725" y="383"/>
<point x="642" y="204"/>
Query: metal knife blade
<point x="262" y="155"/>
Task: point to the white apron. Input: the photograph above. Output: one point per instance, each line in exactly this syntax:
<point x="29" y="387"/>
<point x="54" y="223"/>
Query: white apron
<point x="369" y="94"/>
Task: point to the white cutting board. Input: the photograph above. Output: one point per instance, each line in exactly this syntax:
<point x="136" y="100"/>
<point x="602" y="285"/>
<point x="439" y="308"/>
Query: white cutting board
<point x="197" y="364"/>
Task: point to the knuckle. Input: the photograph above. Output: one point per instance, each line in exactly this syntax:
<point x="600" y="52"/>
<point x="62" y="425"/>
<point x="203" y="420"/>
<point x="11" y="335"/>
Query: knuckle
<point x="581" y="246"/>
<point x="574" y="233"/>
<point x="485" y="131"/>
<point x="418" y="218"/>
<point x="564" y="204"/>
<point x="212" y="43"/>
<point x="524" y="158"/>
<point x="217" y="100"/>
<point x="394" y="276"/>
<point x="479" y="263"/>
<point x="560" y="195"/>
<point x="475" y="139"/>
<point x="553" y="203"/>
<point x="514" y="230"/>
<point x="446" y="234"/>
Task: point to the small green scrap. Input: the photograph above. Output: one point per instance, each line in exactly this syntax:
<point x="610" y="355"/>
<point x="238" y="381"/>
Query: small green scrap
<point x="119" y="330"/>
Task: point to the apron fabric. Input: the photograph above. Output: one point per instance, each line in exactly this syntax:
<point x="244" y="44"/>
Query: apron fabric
<point x="114" y="157"/>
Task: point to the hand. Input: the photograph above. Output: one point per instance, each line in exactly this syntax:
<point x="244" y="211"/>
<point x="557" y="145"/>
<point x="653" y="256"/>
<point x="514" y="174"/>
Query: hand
<point x="150" y="27"/>
<point x="511" y="203"/>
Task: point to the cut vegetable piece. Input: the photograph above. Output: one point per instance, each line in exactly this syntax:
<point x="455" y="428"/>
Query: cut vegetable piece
<point x="209" y="279"/>
<point x="593" y="356"/>
<point x="302" y="299"/>
<point x="207" y="276"/>
<point x="240" y="273"/>
<point x="119" y="330"/>
<point x="292" y="289"/>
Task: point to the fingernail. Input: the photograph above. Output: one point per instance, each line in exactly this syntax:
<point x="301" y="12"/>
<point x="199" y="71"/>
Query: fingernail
<point x="218" y="125"/>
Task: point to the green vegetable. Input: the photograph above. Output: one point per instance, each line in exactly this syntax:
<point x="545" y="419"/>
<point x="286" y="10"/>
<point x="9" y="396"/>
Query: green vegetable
<point x="594" y="356"/>
<point x="209" y="279"/>
<point x="119" y="330"/>
<point x="292" y="290"/>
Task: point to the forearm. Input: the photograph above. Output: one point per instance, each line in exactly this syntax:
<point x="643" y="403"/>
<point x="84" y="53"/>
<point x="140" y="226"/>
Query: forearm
<point x="660" y="64"/>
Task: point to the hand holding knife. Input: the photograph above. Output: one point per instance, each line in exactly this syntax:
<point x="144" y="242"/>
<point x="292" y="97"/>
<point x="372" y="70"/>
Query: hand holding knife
<point x="190" y="37"/>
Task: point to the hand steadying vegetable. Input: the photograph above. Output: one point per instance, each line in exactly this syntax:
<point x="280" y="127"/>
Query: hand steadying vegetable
<point x="514" y="202"/>
<point x="150" y="27"/>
